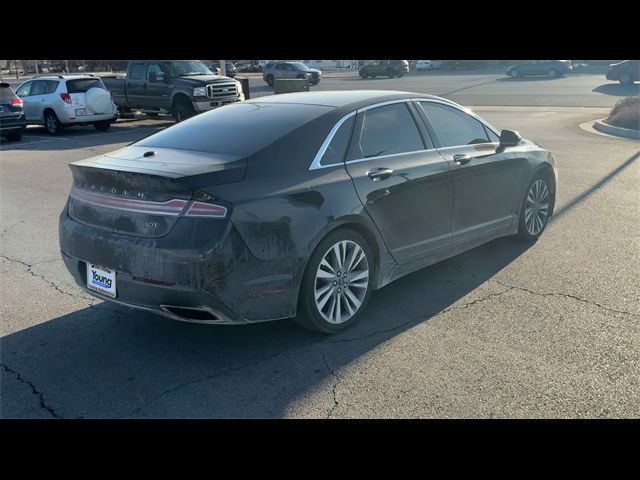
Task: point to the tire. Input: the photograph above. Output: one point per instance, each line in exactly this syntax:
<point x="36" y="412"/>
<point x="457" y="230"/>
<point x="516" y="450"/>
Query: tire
<point x="182" y="110"/>
<point x="625" y="79"/>
<point x="363" y="74"/>
<point x="514" y="74"/>
<point x="270" y="80"/>
<point x="102" y="126"/>
<point x="14" y="137"/>
<point x="553" y="73"/>
<point x="51" y="122"/>
<point x="528" y="227"/>
<point x="316" y="315"/>
<point x="391" y="73"/>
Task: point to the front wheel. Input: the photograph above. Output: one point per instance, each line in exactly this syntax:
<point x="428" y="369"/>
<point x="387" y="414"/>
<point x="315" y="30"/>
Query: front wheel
<point x="363" y="74"/>
<point x="182" y="110"/>
<point x="514" y="74"/>
<point x="625" y="79"/>
<point x="536" y="208"/>
<point x="270" y="80"/>
<point x="337" y="282"/>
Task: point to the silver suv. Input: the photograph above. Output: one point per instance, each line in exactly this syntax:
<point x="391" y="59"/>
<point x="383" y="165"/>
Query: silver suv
<point x="275" y="70"/>
<point x="58" y="101"/>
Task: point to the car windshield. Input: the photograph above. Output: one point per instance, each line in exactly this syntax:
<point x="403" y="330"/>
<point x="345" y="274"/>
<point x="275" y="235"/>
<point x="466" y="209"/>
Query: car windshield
<point x="187" y="68"/>
<point x="299" y="65"/>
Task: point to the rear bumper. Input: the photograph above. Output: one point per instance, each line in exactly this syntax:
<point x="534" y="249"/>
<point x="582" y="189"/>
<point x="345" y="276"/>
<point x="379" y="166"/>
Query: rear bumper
<point x="69" y="116"/>
<point x="195" y="266"/>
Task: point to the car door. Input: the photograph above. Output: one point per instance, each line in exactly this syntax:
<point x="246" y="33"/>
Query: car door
<point x="485" y="183"/>
<point x="34" y="102"/>
<point x="157" y="93"/>
<point x="402" y="181"/>
<point x="24" y="92"/>
<point x="137" y="84"/>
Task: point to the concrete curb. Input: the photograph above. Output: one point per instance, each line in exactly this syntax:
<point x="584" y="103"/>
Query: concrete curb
<point x="616" y="131"/>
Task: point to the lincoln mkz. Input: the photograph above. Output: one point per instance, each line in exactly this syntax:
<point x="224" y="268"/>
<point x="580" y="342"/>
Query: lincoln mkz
<point x="298" y="205"/>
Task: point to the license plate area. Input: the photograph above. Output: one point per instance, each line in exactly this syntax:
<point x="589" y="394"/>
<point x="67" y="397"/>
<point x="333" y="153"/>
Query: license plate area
<point x="101" y="280"/>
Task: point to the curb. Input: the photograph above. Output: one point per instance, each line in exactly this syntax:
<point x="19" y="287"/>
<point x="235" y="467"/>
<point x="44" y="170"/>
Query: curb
<point x="616" y="131"/>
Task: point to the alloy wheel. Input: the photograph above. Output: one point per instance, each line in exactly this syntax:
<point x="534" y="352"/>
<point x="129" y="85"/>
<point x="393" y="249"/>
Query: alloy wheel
<point x="52" y="125"/>
<point x="341" y="282"/>
<point x="536" y="210"/>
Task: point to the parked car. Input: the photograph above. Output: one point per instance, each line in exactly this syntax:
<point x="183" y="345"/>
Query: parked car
<point x="422" y="65"/>
<point x="626" y="72"/>
<point x="388" y="68"/>
<point x="180" y="87"/>
<point x="249" y="67"/>
<point x="231" y="72"/>
<point x="12" y="121"/>
<point x="276" y="70"/>
<point x="551" y="68"/>
<point x="297" y="205"/>
<point x="59" y="101"/>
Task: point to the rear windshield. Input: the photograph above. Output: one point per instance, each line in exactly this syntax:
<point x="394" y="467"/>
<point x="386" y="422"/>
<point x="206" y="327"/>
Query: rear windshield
<point x="81" y="85"/>
<point x="6" y="92"/>
<point x="239" y="129"/>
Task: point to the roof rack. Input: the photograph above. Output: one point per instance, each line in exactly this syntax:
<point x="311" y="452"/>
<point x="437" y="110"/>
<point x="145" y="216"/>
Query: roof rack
<point x="40" y="76"/>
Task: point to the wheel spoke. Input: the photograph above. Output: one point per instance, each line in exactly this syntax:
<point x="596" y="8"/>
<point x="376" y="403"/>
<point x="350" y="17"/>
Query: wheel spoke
<point x="350" y="297"/>
<point x="327" y="265"/>
<point x="324" y="274"/>
<point x="338" y="308"/>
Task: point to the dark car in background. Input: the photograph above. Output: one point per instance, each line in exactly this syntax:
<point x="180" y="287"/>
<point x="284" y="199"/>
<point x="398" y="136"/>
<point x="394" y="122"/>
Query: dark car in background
<point x="625" y="72"/>
<point x="231" y="72"/>
<point x="247" y="67"/>
<point x="385" y="68"/>
<point x="549" y="68"/>
<point x="297" y="205"/>
<point x="275" y="70"/>
<point x="12" y="120"/>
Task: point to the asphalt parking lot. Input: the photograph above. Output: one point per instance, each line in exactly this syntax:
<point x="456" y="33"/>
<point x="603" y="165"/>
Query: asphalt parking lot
<point x="505" y="330"/>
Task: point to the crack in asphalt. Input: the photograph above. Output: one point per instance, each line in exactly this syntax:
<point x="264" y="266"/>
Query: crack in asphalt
<point x="34" y="390"/>
<point x="335" y="384"/>
<point x="566" y="295"/>
<point x="44" y="279"/>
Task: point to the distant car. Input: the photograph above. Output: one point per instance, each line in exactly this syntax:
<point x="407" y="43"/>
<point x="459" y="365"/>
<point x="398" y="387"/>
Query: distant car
<point x="428" y="65"/>
<point x="12" y="121"/>
<point x="58" y="101"/>
<point x="249" y="68"/>
<point x="625" y="72"/>
<point x="231" y="70"/>
<point x="386" y="68"/>
<point x="550" y="68"/>
<point x="277" y="70"/>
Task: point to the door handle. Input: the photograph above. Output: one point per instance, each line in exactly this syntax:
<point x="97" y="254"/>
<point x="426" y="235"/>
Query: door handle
<point x="378" y="174"/>
<point x="461" y="158"/>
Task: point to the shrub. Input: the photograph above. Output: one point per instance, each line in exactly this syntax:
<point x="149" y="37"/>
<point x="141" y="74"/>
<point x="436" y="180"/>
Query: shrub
<point x="625" y="114"/>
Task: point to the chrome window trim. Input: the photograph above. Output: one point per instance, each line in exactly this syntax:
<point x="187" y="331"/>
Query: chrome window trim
<point x="315" y="165"/>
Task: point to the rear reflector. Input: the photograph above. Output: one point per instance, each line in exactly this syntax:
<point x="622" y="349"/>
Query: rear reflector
<point x="65" y="97"/>
<point x="209" y="210"/>
<point x="16" y="102"/>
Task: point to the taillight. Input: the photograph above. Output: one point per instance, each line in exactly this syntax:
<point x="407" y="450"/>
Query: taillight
<point x="16" y="102"/>
<point x="208" y="210"/>
<point x="66" y="97"/>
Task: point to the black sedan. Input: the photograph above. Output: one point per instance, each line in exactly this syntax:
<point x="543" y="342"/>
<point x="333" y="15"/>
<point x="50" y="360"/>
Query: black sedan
<point x="297" y="205"/>
<point x="549" y="68"/>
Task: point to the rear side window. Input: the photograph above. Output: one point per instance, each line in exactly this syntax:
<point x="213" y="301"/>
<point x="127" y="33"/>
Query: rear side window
<point x="386" y="130"/>
<point x="454" y="127"/>
<point x="83" y="84"/>
<point x="6" y="92"/>
<point x="137" y="71"/>
<point x="337" y="148"/>
<point x="52" y="86"/>
<point x="39" y="87"/>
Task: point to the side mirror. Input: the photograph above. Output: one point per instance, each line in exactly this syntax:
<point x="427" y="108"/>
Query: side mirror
<point x="509" y="138"/>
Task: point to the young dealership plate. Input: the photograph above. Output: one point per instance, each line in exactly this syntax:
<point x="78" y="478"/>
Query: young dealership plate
<point x="101" y="280"/>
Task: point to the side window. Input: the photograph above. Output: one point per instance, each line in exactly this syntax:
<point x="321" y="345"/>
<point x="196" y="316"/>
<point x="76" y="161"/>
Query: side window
<point x="289" y="67"/>
<point x="39" y="87"/>
<point x="386" y="130"/>
<point x="24" y="90"/>
<point x="281" y="66"/>
<point x="454" y="127"/>
<point x="154" y="67"/>
<point x="51" y="87"/>
<point x="137" y="71"/>
<point x="337" y="148"/>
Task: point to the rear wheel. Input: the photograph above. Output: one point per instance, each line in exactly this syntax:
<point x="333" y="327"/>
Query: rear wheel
<point x="363" y="74"/>
<point x="391" y="73"/>
<point x="337" y="282"/>
<point x="553" y="73"/>
<point x="54" y="127"/>
<point x="103" y="125"/>
<point x="182" y="110"/>
<point x="536" y="207"/>
<point x="514" y="74"/>
<point x="625" y="79"/>
<point x="270" y="80"/>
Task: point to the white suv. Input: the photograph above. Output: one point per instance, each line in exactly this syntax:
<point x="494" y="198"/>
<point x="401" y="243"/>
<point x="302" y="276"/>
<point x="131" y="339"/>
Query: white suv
<point x="57" y="101"/>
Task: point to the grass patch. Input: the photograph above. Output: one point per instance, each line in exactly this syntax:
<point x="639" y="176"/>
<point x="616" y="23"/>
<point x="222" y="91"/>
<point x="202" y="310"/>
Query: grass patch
<point x="625" y="114"/>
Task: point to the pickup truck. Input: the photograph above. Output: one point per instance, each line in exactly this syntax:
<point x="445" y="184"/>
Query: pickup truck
<point x="180" y="87"/>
